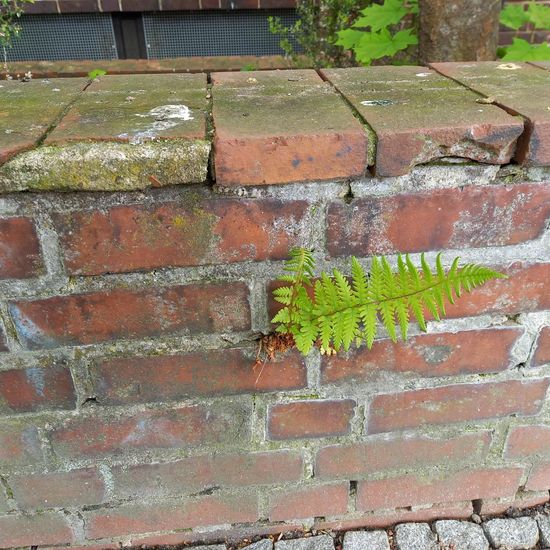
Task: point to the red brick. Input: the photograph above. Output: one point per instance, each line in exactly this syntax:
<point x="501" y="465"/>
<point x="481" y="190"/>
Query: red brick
<point x="103" y="112"/>
<point x="439" y="219"/>
<point x="414" y="125"/>
<point x="142" y="518"/>
<point x="526" y="441"/>
<point x="20" y="256"/>
<point x="183" y="427"/>
<point x="521" y="500"/>
<point x="205" y="231"/>
<point x="375" y="520"/>
<point x="542" y="352"/>
<point x="309" y="502"/>
<point x="521" y="91"/>
<point x="317" y="139"/>
<point x="446" y="354"/>
<point x="89" y="318"/>
<point x="302" y="419"/>
<point x="210" y="372"/>
<point x="43" y="528"/>
<point x="376" y="455"/>
<point x="19" y="445"/>
<point x="457" y="403"/>
<point x="58" y="489"/>
<point x="195" y="474"/>
<point x="539" y="478"/>
<point x="411" y="490"/>
<point x="36" y="389"/>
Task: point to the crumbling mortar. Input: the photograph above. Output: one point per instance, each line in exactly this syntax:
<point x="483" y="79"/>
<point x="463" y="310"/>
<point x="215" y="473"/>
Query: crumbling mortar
<point x="7" y="491"/>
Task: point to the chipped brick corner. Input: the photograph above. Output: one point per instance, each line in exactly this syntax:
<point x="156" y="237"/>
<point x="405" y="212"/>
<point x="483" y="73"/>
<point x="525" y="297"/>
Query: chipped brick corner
<point x="136" y="271"/>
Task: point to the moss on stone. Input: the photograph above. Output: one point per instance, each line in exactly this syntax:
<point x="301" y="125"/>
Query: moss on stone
<point x="107" y="166"/>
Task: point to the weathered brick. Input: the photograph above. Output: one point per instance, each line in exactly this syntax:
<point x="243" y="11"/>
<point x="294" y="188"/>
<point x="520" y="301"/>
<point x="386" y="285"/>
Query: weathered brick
<point x="457" y="403"/>
<point x="411" y="490"/>
<point x="317" y="139"/>
<point x="526" y="441"/>
<point x="309" y="502"/>
<point x="88" y="318"/>
<point x="198" y="473"/>
<point x="43" y="528"/>
<point x="58" y="489"/>
<point x="521" y="500"/>
<point x="420" y="116"/>
<point x="19" y="445"/>
<point x="376" y="455"/>
<point x="144" y="518"/>
<point x="542" y="352"/>
<point x="20" y="256"/>
<point x="209" y="372"/>
<point x="36" y="389"/>
<point x="33" y="109"/>
<point x="195" y="232"/>
<point x="526" y="289"/>
<point x="302" y="419"/>
<point x="518" y="88"/>
<point x="539" y="478"/>
<point x="184" y="427"/>
<point x="389" y="518"/>
<point x="446" y="354"/>
<point x="438" y="219"/>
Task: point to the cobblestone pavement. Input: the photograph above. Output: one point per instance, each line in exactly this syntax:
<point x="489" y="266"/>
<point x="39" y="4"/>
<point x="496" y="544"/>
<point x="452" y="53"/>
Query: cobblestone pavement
<point x="526" y="530"/>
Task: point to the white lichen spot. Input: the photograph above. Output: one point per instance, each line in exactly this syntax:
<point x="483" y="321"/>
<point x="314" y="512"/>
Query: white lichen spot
<point x="378" y="102"/>
<point x="422" y="74"/>
<point x="165" y="112"/>
<point x="509" y="67"/>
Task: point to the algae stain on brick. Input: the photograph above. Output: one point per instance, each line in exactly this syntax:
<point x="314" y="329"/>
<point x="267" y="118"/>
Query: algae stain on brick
<point x="107" y="166"/>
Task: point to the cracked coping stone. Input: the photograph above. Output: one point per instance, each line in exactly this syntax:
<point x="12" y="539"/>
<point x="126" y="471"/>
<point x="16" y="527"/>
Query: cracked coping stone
<point x="544" y="527"/>
<point x="415" y="536"/>
<point x="28" y="109"/>
<point x="123" y="132"/>
<point x="283" y="126"/>
<point x="541" y="64"/>
<point x="322" y="542"/>
<point x="420" y="116"/>
<point x="512" y="534"/>
<point x="366" y="540"/>
<point x="461" y="535"/>
<point x="519" y="88"/>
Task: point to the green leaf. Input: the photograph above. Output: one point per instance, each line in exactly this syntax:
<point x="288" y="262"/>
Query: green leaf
<point x="374" y="45"/>
<point x="539" y="15"/>
<point x="348" y="38"/>
<point x="379" y="17"/>
<point x="521" y="50"/>
<point x="514" y="16"/>
<point x="96" y="73"/>
<point x="405" y="38"/>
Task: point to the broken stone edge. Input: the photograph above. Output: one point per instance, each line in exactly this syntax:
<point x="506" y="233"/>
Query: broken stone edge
<point x="107" y="166"/>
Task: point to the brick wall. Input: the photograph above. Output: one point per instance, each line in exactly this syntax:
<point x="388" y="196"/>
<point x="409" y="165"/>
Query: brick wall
<point x="143" y="221"/>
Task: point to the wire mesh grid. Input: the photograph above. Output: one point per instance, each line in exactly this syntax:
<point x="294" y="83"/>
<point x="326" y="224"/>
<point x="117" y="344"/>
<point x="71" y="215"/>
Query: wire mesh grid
<point x="204" y="33"/>
<point x="66" y="36"/>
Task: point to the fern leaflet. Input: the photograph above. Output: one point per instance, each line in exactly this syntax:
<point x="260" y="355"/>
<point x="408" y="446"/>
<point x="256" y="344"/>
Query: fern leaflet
<point x="335" y="312"/>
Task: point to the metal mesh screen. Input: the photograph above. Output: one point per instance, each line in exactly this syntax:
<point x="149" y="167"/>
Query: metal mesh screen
<point x="243" y="32"/>
<point x="67" y="36"/>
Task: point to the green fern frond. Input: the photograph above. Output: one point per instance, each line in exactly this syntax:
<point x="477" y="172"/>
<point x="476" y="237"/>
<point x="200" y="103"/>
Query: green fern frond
<point x="344" y="312"/>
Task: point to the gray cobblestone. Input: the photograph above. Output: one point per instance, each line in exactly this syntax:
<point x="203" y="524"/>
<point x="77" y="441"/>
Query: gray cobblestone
<point x="544" y="527"/>
<point x="366" y="540"/>
<point x="264" y="544"/>
<point x="512" y="534"/>
<point x="461" y="535"/>
<point x="322" y="542"/>
<point x="415" y="536"/>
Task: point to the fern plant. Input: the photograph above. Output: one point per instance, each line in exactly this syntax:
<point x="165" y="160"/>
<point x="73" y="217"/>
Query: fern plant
<point x="336" y="313"/>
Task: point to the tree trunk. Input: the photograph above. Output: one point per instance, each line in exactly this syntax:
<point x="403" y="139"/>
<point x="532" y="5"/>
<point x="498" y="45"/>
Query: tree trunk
<point x="458" y="30"/>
